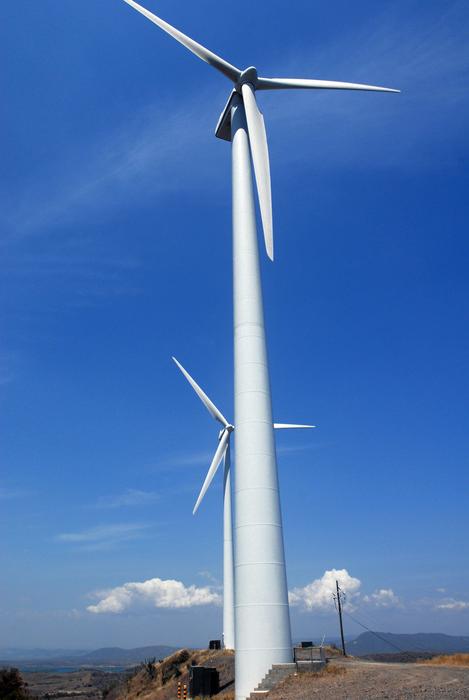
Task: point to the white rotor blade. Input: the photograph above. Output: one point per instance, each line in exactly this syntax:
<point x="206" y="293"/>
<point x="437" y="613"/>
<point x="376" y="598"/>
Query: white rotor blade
<point x="209" y="405"/>
<point x="260" y="158"/>
<point x="221" y="449"/>
<point x="295" y="83"/>
<point x="282" y="426"/>
<point x="209" y="57"/>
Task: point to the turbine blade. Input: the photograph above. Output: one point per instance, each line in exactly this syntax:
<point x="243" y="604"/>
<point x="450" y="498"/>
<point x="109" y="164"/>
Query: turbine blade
<point x="260" y="159"/>
<point x="300" y="83"/>
<point x="209" y="57"/>
<point x="287" y="426"/>
<point x="221" y="449"/>
<point x="209" y="405"/>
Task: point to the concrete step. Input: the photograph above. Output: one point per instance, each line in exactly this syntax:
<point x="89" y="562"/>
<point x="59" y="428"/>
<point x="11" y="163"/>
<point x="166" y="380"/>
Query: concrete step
<point x="277" y="673"/>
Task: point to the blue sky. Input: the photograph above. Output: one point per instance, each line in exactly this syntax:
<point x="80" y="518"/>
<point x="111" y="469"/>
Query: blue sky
<point x="115" y="255"/>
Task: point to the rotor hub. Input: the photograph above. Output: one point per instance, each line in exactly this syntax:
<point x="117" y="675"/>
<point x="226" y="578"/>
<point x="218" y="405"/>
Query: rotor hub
<point x="228" y="428"/>
<point x="247" y="76"/>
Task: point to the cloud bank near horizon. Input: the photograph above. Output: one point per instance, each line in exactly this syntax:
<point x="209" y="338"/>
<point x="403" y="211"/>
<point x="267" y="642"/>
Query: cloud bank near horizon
<point x="171" y="594"/>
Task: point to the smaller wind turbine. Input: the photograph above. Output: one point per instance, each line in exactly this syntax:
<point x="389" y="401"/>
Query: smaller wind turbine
<point x="223" y="452"/>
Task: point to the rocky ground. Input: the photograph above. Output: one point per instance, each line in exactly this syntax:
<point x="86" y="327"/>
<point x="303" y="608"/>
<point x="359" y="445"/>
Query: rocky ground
<point x="366" y="680"/>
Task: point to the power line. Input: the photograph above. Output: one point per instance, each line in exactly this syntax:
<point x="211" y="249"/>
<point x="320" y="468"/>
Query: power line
<point x="376" y="634"/>
<point x="414" y="646"/>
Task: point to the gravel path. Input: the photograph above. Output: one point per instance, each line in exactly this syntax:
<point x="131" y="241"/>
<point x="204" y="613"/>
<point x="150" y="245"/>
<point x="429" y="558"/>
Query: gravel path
<point x="364" y="680"/>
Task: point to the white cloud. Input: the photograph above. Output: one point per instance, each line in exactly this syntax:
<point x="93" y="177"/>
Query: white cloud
<point x="154" y="593"/>
<point x="172" y="594"/>
<point x="382" y="598"/>
<point x="104" y="536"/>
<point x="452" y="604"/>
<point x="131" y="497"/>
<point x="317" y="595"/>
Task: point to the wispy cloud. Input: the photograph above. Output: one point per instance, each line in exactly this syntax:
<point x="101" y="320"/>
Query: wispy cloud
<point x="11" y="494"/>
<point x="103" y="536"/>
<point x="452" y="604"/>
<point x="186" y="459"/>
<point x="131" y="497"/>
<point x="93" y="276"/>
<point x="208" y="576"/>
<point x="162" y="140"/>
<point x="424" y="127"/>
<point x="159" y="149"/>
<point x="291" y="449"/>
<point x="382" y="598"/>
<point x="154" y="593"/>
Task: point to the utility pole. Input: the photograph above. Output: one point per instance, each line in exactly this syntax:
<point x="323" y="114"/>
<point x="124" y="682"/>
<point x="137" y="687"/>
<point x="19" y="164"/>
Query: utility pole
<point x="338" y="599"/>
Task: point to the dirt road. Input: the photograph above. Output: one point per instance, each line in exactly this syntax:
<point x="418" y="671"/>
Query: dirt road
<point x="366" y="680"/>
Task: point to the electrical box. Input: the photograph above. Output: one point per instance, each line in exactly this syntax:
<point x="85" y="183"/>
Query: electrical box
<point x="203" y="682"/>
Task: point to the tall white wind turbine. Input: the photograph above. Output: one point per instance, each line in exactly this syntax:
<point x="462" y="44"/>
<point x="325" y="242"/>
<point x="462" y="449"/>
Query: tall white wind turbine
<point x="223" y="452"/>
<point x="262" y="619"/>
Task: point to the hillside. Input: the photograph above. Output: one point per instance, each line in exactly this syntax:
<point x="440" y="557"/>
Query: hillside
<point x="159" y="681"/>
<point x="124" y="657"/>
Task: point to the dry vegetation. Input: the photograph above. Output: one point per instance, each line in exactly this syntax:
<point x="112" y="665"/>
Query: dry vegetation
<point x="332" y="651"/>
<point x="448" y="660"/>
<point x="158" y="680"/>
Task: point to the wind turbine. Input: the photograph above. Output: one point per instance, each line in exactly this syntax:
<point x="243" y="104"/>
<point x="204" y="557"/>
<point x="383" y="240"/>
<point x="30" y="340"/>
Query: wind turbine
<point x="223" y="452"/>
<point x="262" y="618"/>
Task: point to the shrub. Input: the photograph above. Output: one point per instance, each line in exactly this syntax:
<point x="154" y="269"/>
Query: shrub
<point x="449" y="660"/>
<point x="12" y="686"/>
<point x="150" y="668"/>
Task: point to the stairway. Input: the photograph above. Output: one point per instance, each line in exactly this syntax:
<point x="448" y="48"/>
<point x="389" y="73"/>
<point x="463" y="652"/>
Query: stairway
<point x="277" y="673"/>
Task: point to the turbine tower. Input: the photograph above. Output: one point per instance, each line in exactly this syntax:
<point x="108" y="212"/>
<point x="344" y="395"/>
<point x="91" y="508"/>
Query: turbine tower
<point x="262" y="619"/>
<point x="223" y="452"/>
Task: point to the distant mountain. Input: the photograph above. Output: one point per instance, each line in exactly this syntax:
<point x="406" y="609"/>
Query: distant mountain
<point x="17" y="654"/>
<point x="368" y="643"/>
<point x="109" y="656"/>
<point x="115" y="656"/>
